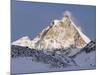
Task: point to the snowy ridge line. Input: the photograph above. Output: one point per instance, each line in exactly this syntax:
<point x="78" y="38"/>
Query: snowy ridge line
<point x="86" y="39"/>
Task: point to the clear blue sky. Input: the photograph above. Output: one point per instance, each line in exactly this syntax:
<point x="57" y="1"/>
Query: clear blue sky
<point x="29" y="18"/>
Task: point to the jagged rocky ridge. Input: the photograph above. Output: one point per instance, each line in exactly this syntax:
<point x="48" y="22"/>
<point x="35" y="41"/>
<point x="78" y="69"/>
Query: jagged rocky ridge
<point x="46" y="56"/>
<point x="56" y="57"/>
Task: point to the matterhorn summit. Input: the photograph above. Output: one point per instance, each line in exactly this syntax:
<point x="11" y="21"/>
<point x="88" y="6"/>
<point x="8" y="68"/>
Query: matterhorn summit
<point x="59" y="34"/>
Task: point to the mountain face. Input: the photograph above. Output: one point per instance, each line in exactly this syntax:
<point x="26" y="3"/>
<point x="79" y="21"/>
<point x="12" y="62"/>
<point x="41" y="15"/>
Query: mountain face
<point x="59" y="34"/>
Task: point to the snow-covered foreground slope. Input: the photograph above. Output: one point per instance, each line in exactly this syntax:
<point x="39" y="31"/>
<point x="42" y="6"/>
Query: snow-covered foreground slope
<point x="26" y="65"/>
<point x="27" y="60"/>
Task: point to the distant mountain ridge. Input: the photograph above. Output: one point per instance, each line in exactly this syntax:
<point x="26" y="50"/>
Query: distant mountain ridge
<point x="56" y="57"/>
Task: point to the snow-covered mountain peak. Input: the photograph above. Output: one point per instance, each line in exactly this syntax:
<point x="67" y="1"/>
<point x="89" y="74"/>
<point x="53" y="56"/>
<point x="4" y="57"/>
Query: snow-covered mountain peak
<point x="59" y="34"/>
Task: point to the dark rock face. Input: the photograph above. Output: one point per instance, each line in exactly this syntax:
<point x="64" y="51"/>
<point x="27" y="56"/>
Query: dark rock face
<point x="90" y="47"/>
<point x="18" y="51"/>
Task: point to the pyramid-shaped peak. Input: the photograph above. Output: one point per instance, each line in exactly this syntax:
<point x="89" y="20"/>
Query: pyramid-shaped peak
<point x="63" y="33"/>
<point x="59" y="34"/>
